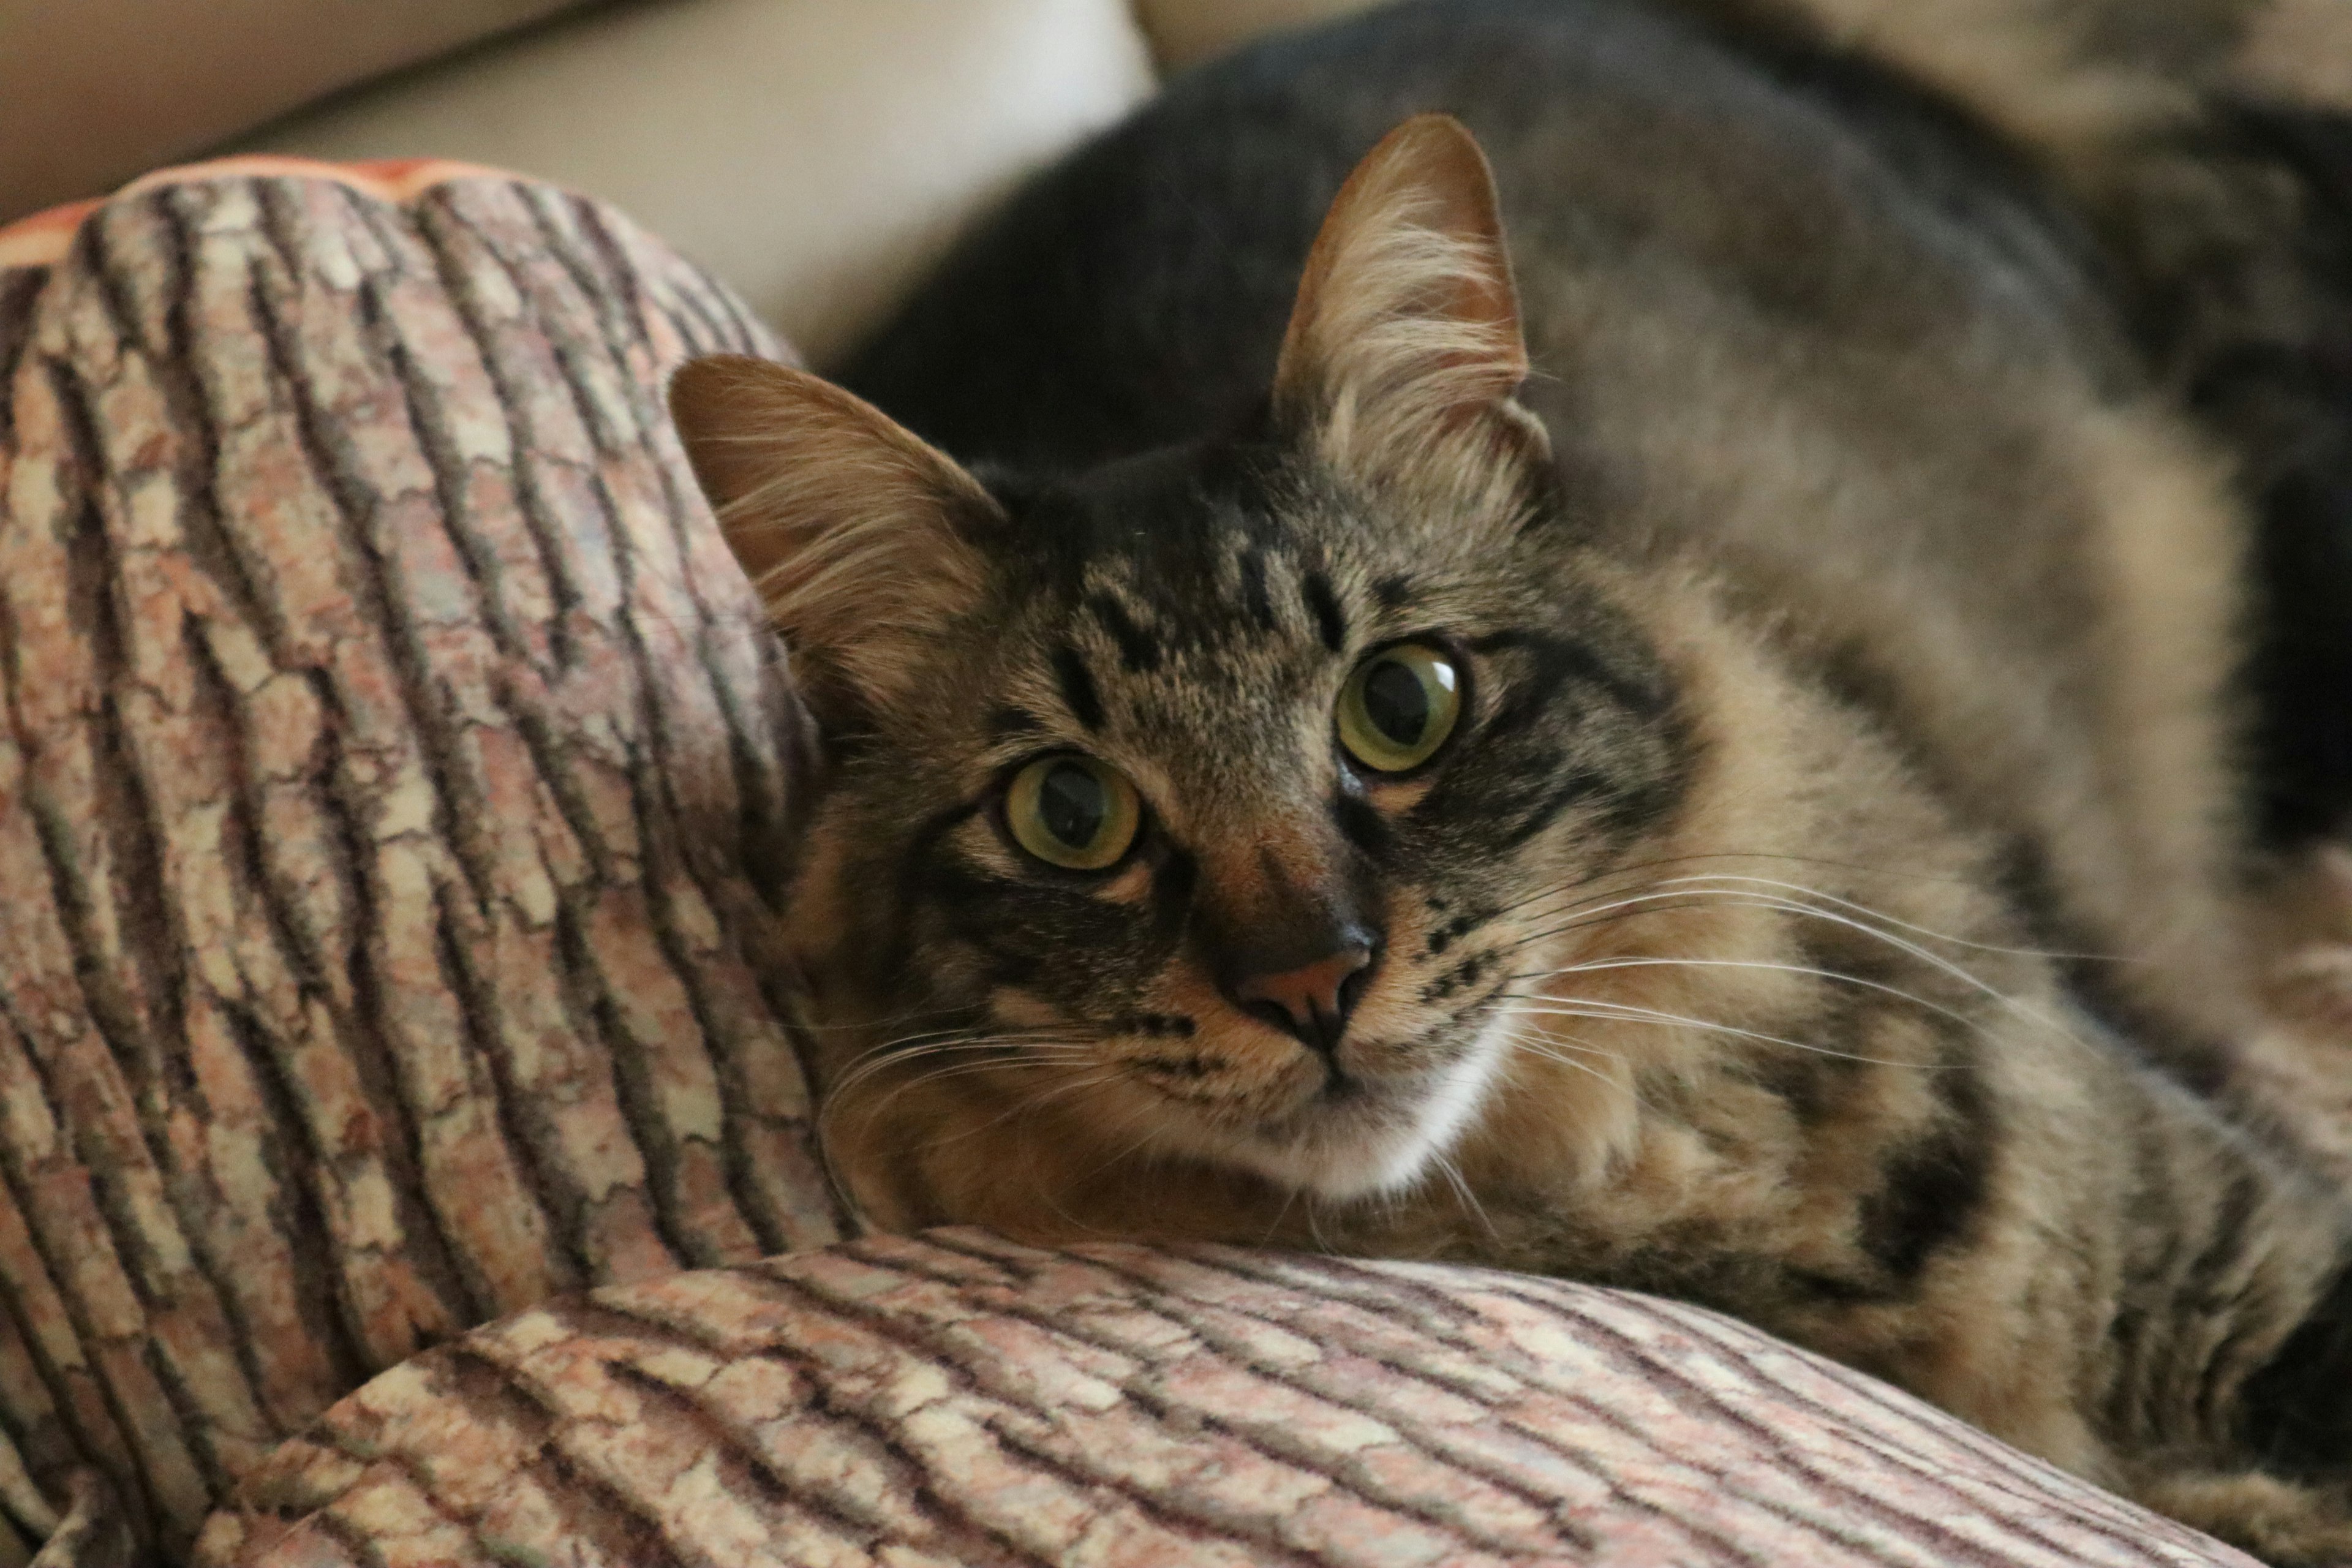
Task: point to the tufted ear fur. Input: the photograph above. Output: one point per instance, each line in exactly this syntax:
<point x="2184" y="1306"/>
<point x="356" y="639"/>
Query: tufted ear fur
<point x="1404" y="347"/>
<point x="855" y="531"/>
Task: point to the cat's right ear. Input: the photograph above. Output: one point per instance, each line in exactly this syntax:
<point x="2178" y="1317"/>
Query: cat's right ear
<point x="856" y="534"/>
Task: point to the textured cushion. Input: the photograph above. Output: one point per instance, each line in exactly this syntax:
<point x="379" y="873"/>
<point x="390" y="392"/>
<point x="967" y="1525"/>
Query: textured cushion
<point x="955" y="1399"/>
<point x="392" y="756"/>
<point x="813" y="154"/>
<point x="94" y="91"/>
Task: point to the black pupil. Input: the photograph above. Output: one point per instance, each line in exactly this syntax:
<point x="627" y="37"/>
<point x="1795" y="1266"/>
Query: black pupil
<point x="1073" y="805"/>
<point x="1396" y="702"/>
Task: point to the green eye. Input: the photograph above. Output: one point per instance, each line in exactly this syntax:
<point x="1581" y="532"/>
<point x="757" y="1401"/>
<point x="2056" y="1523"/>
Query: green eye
<point x="1072" y="812"/>
<point x="1399" y="707"/>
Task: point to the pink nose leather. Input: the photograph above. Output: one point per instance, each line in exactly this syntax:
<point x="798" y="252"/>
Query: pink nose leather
<point x="1314" y="997"/>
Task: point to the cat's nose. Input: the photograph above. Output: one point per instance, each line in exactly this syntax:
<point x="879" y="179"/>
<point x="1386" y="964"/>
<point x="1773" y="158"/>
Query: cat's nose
<point x="1312" y="1001"/>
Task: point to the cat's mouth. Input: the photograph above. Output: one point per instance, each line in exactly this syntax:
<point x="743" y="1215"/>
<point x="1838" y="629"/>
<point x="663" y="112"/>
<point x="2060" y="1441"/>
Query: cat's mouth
<point x="1340" y="1090"/>
<point x="1359" y="1133"/>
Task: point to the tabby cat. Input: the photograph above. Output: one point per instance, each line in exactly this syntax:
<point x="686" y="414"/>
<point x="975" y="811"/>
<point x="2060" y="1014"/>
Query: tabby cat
<point x="1713" y="746"/>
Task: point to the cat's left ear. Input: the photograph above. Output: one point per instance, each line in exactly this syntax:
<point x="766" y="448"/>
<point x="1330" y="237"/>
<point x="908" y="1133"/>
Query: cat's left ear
<point x="857" y="534"/>
<point x="1404" y="347"/>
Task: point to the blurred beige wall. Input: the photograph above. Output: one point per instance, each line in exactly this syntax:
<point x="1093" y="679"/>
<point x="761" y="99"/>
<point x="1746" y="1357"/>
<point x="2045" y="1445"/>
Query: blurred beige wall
<point x="1186" y="31"/>
<point x="93" y="92"/>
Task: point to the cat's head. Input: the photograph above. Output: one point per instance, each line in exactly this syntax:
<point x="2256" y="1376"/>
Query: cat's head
<point x="1213" y="798"/>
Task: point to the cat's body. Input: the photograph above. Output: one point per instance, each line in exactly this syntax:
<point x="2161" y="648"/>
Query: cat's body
<point x="1841" y="626"/>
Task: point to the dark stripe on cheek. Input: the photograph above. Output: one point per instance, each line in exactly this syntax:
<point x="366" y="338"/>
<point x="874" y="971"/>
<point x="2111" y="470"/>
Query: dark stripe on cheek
<point x="1078" y="693"/>
<point x="1058" y="939"/>
<point x="1632" y="682"/>
<point x="1136" y="649"/>
<point x="1172" y="881"/>
<point x="1571" y="787"/>
<point x="895" y="954"/>
<point x="1325" y="607"/>
<point x="1364" y="825"/>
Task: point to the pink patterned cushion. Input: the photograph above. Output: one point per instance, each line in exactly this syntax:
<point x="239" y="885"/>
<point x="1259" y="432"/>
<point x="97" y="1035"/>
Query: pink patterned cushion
<point x="390" y="760"/>
<point x="958" y="1399"/>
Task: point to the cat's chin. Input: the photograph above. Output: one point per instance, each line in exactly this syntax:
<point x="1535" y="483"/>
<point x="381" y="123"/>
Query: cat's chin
<point x="1367" y="1138"/>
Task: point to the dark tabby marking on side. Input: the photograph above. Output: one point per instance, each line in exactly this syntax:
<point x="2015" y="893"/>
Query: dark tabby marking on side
<point x="1936" y="1189"/>
<point x="2294" y="1411"/>
<point x="1696" y="746"/>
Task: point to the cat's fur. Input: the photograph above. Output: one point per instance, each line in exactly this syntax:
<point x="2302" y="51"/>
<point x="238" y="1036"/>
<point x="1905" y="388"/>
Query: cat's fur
<point x="1852" y="606"/>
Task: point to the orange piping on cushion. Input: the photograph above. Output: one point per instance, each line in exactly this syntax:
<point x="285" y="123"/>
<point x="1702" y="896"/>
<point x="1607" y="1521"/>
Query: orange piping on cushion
<point x="42" y="239"/>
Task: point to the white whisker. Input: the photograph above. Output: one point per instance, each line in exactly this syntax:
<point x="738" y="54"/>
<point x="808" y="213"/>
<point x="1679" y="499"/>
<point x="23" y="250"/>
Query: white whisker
<point x="1446" y="1167"/>
<point x="1617" y="1012"/>
<point x="1549" y="1048"/>
<point x="1597" y="966"/>
<point x="1939" y="962"/>
<point x="1736" y="891"/>
<point x="1030" y="1107"/>
<point x="1883" y="917"/>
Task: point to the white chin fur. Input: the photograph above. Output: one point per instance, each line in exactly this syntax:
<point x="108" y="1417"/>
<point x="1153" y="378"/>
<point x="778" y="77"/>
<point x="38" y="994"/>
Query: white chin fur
<point x="1358" y="1154"/>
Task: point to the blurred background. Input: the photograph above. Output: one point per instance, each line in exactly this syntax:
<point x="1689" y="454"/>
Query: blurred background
<point x="815" y="153"/>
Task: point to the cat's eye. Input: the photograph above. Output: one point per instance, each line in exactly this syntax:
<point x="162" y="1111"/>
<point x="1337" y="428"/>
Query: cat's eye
<point x="1072" y="812"/>
<point x="1399" y="706"/>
